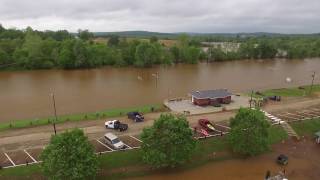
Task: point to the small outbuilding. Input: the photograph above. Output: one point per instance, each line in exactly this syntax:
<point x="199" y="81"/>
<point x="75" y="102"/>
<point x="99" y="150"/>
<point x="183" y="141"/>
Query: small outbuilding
<point x="211" y="97"/>
<point x="318" y="137"/>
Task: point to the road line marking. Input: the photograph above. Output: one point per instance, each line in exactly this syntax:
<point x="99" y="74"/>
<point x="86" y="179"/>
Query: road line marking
<point x="288" y="117"/>
<point x="104" y="145"/>
<point x="127" y="145"/>
<point x="136" y="138"/>
<point x="223" y="126"/>
<point x="313" y="112"/>
<point x="315" y="109"/>
<point x="10" y="159"/>
<point x="308" y="114"/>
<point x="21" y="165"/>
<point x="33" y="159"/>
<point x="295" y="115"/>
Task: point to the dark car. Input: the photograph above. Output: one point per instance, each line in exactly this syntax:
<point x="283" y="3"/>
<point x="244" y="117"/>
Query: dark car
<point x="275" y="98"/>
<point x="136" y="116"/>
<point x="282" y="159"/>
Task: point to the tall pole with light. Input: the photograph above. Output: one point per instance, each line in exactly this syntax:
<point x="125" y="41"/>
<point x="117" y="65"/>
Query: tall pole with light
<point x="156" y="76"/>
<point x="55" y="114"/>
<point x="313" y="76"/>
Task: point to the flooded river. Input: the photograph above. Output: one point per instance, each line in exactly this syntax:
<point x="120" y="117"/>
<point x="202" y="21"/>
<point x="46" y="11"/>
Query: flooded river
<point x="25" y="94"/>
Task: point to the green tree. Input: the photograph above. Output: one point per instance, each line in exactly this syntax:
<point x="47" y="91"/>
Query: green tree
<point x="69" y="156"/>
<point x="190" y="54"/>
<point x="175" y="51"/>
<point x="113" y="40"/>
<point x="66" y="58"/>
<point x="4" y="57"/>
<point x="146" y="55"/>
<point x="154" y="39"/>
<point x="168" y="142"/>
<point x="249" y="132"/>
<point x="85" y="34"/>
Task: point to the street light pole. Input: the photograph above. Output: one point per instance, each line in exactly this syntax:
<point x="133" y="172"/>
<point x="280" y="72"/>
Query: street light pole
<point x="251" y="98"/>
<point x="313" y="76"/>
<point x="55" y="114"/>
<point x="156" y="76"/>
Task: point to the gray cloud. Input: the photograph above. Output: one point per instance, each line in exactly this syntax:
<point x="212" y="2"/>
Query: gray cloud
<point x="285" y="16"/>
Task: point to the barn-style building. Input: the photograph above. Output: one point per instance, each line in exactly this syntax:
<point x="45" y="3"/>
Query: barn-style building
<point x="211" y="97"/>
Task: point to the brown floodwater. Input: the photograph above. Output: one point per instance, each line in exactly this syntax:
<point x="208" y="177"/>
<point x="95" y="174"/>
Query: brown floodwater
<point x="25" y="94"/>
<point x="303" y="164"/>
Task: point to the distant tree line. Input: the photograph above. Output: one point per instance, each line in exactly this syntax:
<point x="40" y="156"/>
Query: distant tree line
<point x="291" y="47"/>
<point x="32" y="49"/>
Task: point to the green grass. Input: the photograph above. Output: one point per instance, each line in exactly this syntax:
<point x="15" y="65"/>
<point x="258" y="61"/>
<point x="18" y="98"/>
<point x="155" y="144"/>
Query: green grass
<point x="77" y="117"/>
<point x="120" y="159"/>
<point x="289" y="92"/>
<point x="277" y="134"/>
<point x="307" y="127"/>
<point x="21" y="171"/>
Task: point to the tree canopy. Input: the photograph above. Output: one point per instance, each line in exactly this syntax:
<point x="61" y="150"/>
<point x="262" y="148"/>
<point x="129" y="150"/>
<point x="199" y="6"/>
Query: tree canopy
<point x="249" y="132"/>
<point x="69" y="156"/>
<point x="168" y="142"/>
<point x="32" y="49"/>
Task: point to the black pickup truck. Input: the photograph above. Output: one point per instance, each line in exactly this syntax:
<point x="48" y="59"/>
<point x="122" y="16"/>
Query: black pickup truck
<point x="136" y="116"/>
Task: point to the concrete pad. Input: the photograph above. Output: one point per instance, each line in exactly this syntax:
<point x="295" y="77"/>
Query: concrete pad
<point x="185" y="105"/>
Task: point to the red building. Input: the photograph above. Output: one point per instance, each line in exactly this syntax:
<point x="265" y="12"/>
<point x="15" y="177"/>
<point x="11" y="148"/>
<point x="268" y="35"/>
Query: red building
<point x="211" y="97"/>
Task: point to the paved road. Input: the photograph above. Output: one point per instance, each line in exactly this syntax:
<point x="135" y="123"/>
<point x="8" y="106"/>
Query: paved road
<point x="38" y="136"/>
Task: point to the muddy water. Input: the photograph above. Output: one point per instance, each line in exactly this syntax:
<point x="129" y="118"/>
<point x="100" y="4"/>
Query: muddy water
<point x="303" y="164"/>
<point x="25" y="94"/>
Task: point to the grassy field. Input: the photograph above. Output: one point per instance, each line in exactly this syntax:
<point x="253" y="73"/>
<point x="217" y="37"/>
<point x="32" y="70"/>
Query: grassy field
<point x="113" y="161"/>
<point x="290" y="92"/>
<point x="307" y="127"/>
<point x="78" y="117"/>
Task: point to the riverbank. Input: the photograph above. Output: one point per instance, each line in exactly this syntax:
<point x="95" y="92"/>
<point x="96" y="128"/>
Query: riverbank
<point x="128" y="163"/>
<point x="296" y="92"/>
<point x="300" y="91"/>
<point x="79" y="117"/>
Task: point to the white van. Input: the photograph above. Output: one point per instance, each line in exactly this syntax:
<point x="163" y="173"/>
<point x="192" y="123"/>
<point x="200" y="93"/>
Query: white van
<point x="113" y="141"/>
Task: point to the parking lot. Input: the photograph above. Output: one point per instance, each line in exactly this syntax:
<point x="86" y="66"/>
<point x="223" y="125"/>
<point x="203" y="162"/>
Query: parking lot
<point x="299" y="115"/>
<point x="185" y="105"/>
<point x="30" y="156"/>
<point x="221" y="129"/>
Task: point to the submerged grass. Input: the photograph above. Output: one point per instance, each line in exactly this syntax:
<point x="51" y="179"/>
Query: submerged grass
<point x="290" y="92"/>
<point x="306" y="127"/>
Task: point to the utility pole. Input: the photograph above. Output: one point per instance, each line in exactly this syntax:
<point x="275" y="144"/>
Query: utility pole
<point x="251" y="98"/>
<point x="313" y="76"/>
<point x="55" y="114"/>
<point x="156" y="76"/>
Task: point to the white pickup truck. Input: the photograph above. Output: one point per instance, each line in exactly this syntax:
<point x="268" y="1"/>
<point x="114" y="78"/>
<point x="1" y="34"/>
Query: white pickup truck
<point x="116" y="124"/>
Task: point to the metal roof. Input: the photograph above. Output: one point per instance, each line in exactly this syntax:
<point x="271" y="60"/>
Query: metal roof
<point x="217" y="93"/>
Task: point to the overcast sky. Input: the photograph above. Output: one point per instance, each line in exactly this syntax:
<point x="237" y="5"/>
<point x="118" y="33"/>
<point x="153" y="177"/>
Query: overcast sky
<point x="284" y="16"/>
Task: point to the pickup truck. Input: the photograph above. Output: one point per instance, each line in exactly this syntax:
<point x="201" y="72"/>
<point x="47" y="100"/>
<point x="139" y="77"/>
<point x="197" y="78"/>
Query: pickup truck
<point x="116" y="124"/>
<point x="136" y="116"/>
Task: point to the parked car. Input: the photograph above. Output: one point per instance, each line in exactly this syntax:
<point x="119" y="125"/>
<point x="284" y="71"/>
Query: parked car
<point x="116" y="124"/>
<point x="136" y="116"/>
<point x="206" y="124"/>
<point x="282" y="159"/>
<point x="275" y="98"/>
<point x="113" y="141"/>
